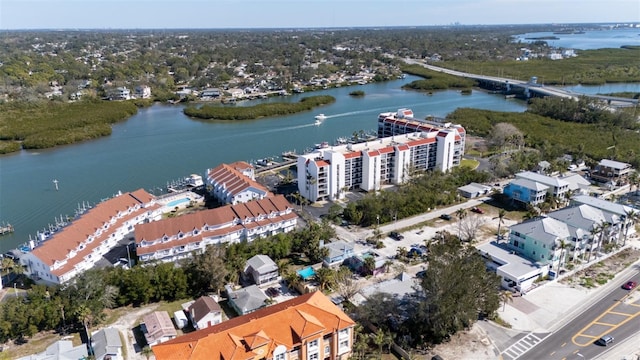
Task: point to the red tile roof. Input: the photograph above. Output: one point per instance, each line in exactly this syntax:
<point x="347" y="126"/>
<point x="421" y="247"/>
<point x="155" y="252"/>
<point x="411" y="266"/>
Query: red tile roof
<point x="353" y="154"/>
<point x="221" y="221"/>
<point x="234" y="181"/>
<point x="322" y="163"/>
<point x="70" y="237"/>
<point x="308" y="316"/>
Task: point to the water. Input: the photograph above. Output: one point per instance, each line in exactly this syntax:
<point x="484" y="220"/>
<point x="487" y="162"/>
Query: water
<point x="592" y="39"/>
<point x="160" y="144"/>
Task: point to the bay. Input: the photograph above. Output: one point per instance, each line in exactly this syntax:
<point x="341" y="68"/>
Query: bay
<point x="589" y="40"/>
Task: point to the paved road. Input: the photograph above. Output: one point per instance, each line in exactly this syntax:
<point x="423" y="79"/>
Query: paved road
<point x="613" y="314"/>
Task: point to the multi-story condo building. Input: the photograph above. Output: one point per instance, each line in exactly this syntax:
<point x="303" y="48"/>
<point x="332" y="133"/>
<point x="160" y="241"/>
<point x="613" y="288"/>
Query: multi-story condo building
<point x="78" y="246"/>
<point x="403" y="122"/>
<point x="328" y="173"/>
<point x="235" y="183"/>
<point x="308" y="327"/>
<point x="176" y="238"/>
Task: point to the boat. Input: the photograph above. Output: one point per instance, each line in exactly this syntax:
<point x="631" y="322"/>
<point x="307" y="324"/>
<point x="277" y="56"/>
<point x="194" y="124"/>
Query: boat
<point x="320" y="117"/>
<point x="6" y="229"/>
<point x="322" y="145"/>
<point x="318" y="122"/>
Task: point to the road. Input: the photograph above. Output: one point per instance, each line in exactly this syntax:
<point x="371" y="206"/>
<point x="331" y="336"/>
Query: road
<point x="617" y="314"/>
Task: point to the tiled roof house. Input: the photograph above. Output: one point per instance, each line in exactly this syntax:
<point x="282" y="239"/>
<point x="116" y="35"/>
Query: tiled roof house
<point x="307" y="327"/>
<point x="78" y="246"/>
<point x="235" y="183"/>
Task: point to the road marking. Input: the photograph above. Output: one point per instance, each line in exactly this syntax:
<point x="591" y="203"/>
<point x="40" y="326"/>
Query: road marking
<point x="552" y="353"/>
<point x="563" y="344"/>
<point x="575" y="352"/>
<point x="596" y="321"/>
<point x="520" y="347"/>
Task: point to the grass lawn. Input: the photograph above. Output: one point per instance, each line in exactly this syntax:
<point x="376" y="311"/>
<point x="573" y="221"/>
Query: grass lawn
<point x="468" y="163"/>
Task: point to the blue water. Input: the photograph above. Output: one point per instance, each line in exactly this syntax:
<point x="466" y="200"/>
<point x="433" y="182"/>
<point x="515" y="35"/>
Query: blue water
<point x="593" y="39"/>
<point x="178" y="202"/>
<point x="306" y="273"/>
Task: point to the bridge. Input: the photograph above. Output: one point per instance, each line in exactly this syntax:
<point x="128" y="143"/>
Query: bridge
<point x="528" y="88"/>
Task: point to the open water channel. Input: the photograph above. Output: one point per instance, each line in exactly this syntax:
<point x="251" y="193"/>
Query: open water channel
<point x="160" y="144"/>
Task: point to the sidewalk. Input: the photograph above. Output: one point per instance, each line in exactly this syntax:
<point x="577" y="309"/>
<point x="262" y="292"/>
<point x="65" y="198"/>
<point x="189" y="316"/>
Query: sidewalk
<point x="548" y="307"/>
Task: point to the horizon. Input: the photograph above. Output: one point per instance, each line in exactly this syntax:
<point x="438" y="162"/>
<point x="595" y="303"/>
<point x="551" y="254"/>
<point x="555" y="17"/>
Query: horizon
<point x="310" y="14"/>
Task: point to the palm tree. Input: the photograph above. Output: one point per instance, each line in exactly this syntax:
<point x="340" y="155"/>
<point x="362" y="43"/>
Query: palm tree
<point x="604" y="227"/>
<point x="630" y="217"/>
<point x="562" y="245"/>
<point x="293" y="280"/>
<point x="369" y="265"/>
<point x="595" y="229"/>
<point x="324" y="277"/>
<point x="380" y="338"/>
<point x="505" y="296"/>
<point x="461" y="214"/>
<point x="147" y="352"/>
<point x="500" y="217"/>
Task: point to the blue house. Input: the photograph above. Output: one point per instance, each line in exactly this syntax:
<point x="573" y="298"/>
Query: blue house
<point x="526" y="191"/>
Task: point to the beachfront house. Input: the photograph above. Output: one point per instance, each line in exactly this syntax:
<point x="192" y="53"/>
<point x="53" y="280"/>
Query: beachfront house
<point x="204" y="312"/>
<point x="261" y="270"/>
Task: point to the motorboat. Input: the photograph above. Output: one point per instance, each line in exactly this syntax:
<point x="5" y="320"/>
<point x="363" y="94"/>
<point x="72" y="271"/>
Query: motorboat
<point x="320" y="117"/>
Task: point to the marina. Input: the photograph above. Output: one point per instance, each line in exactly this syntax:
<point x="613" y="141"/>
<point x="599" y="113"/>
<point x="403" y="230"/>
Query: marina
<point x="6" y="229"/>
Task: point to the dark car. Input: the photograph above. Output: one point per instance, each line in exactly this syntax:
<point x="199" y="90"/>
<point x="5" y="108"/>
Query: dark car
<point x="445" y="217"/>
<point x="630" y="285"/>
<point x="396" y="235"/>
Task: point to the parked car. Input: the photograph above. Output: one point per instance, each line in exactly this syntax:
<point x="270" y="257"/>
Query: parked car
<point x="445" y="217"/>
<point x="273" y="292"/>
<point x="396" y="235"/>
<point x="605" y="340"/>
<point x="630" y="285"/>
<point x="477" y="210"/>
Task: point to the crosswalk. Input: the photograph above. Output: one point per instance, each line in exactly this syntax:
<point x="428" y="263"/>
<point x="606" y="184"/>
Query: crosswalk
<point x="522" y="346"/>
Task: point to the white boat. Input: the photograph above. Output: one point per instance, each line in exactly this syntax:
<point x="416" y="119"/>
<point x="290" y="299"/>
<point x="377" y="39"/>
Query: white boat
<point x="320" y="117"/>
<point x="318" y="122"/>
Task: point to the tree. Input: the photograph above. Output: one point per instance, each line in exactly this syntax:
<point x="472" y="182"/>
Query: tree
<point x="501" y="214"/>
<point x="505" y="297"/>
<point x="562" y="245"/>
<point x="325" y="278"/>
<point x="369" y="265"/>
<point x="461" y="214"/>
<point x="630" y="218"/>
<point x="457" y="288"/>
<point x="469" y="226"/>
<point x="345" y="285"/>
<point x="147" y="352"/>
<point x="207" y="272"/>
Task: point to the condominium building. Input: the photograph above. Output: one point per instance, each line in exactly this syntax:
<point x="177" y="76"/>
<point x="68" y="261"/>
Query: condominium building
<point x="308" y="327"/>
<point x="78" y="246"/>
<point x="328" y="173"/>
<point x="176" y="238"/>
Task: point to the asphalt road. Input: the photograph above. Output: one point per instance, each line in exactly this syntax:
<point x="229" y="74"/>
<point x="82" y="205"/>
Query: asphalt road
<point x="611" y="315"/>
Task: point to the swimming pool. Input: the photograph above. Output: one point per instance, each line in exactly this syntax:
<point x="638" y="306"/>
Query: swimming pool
<point x="306" y="273"/>
<point x="178" y="202"/>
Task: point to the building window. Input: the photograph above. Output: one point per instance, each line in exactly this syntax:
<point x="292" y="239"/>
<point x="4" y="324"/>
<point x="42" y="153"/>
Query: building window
<point x="314" y="356"/>
<point x="312" y="344"/>
<point x="327" y="350"/>
<point x="280" y="356"/>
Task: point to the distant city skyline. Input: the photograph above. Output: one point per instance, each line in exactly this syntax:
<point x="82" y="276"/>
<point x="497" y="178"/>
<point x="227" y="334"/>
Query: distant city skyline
<point x="236" y="14"/>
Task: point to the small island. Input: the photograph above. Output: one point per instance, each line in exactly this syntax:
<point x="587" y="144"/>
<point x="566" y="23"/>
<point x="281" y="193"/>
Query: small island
<point x="357" y="93"/>
<point x="213" y="112"/>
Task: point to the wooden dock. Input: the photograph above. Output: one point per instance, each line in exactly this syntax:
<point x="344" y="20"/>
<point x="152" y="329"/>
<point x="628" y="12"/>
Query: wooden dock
<point x="6" y="229"/>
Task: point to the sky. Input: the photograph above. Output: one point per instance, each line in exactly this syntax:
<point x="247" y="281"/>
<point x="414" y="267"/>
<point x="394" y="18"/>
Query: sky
<point x="226" y="14"/>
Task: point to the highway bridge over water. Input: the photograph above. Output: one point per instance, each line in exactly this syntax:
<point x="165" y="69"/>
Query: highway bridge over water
<point x="528" y="88"/>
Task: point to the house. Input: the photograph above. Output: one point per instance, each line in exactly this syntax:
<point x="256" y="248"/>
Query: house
<point x="610" y="171"/>
<point x="158" y="328"/>
<point x="235" y="183"/>
<point x="246" y="300"/>
<point x="306" y="327"/>
<point x="538" y="239"/>
<point x="339" y="251"/>
<point x="357" y="263"/>
<point x="176" y="238"/>
<point x="578" y="185"/>
<point x="517" y="273"/>
<point x="142" y="92"/>
<point x="616" y="214"/>
<point x="204" y="312"/>
<point x="60" y="350"/>
<point x="107" y="345"/>
<point x="120" y="93"/>
<point x="556" y="186"/>
<point x="474" y="190"/>
<point x="210" y="93"/>
<point x="526" y="192"/>
<point x="400" y="287"/>
<point x="79" y="245"/>
<point x="261" y="270"/>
